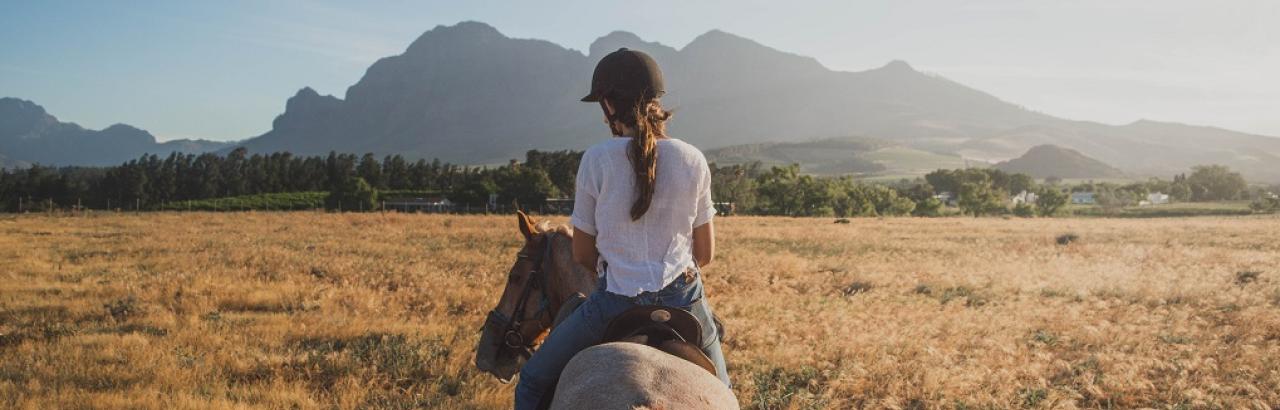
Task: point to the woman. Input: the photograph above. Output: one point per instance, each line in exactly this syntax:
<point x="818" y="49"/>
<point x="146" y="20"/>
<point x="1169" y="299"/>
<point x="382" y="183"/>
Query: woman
<point x="642" y="220"/>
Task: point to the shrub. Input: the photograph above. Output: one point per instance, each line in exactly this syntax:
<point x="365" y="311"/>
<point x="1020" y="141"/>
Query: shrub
<point x="1247" y="277"/>
<point x="930" y="207"/>
<point x="1067" y="238"/>
<point x="1044" y="337"/>
<point x="122" y="309"/>
<point x="1265" y="205"/>
<point x="1024" y="210"/>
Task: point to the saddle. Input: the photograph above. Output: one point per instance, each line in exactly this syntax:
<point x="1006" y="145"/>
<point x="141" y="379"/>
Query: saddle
<point x="668" y="329"/>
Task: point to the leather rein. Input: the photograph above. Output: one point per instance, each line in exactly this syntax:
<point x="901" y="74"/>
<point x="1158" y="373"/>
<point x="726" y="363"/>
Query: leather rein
<point x="512" y="339"/>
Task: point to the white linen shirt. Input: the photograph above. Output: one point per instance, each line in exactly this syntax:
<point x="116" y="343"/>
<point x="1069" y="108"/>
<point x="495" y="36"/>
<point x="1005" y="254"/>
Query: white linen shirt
<point x="647" y="254"/>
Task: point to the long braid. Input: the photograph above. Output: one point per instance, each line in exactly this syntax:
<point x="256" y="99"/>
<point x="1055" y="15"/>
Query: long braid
<point x="650" y="124"/>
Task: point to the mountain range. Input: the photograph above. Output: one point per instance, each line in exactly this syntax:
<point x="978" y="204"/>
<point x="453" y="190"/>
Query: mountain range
<point x="29" y="135"/>
<point x="466" y="93"/>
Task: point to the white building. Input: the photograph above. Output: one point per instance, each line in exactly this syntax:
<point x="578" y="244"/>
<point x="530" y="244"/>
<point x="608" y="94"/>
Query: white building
<point x="1083" y="198"/>
<point x="1157" y="198"/>
<point x="1024" y="197"/>
<point x="946" y="198"/>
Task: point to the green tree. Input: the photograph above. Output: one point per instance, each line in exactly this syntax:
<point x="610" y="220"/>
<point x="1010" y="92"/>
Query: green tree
<point x="530" y="187"/>
<point x="1049" y="200"/>
<point x="371" y="171"/>
<point x="735" y="184"/>
<point x="979" y="199"/>
<point x="779" y="191"/>
<point x="1112" y="199"/>
<point x="354" y="194"/>
<point x="474" y="192"/>
<point x="1021" y="182"/>
<point x="1215" y="183"/>
<point x="396" y="172"/>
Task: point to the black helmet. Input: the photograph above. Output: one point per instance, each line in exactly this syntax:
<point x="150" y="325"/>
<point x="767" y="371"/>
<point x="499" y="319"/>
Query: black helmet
<point x="627" y="73"/>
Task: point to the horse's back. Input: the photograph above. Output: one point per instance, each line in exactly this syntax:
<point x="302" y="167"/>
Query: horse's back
<point x="633" y="376"/>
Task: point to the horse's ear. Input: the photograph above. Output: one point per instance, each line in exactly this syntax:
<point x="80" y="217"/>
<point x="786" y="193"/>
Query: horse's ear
<point x="527" y="226"/>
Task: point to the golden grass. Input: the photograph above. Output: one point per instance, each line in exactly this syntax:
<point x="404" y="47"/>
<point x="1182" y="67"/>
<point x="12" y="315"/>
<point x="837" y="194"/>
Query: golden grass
<point x="306" y="310"/>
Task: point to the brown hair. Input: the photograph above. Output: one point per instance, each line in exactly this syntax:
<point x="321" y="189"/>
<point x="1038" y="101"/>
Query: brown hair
<point x="649" y="120"/>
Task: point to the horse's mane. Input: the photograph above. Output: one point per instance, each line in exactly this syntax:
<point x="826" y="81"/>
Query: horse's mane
<point x="544" y="226"/>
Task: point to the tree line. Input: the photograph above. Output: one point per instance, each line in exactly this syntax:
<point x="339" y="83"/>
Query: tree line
<point x="152" y="182"/>
<point x="973" y="191"/>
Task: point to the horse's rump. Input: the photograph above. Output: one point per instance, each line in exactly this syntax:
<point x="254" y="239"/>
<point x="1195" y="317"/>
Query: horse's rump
<point x="634" y="376"/>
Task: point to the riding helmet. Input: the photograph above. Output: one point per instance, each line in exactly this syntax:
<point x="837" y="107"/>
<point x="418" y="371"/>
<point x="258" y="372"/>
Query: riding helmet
<point x="626" y="73"/>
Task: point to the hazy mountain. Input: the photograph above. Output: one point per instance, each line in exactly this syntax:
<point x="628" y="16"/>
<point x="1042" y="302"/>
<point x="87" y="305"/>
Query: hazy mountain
<point x="837" y="156"/>
<point x="1043" y="161"/>
<point x="464" y="93"/>
<point x="467" y="93"/>
<point x="28" y="134"/>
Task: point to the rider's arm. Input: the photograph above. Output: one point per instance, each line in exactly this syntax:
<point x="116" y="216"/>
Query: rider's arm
<point x="704" y="235"/>
<point x="584" y="249"/>
<point x="704" y="244"/>
<point x="586" y="189"/>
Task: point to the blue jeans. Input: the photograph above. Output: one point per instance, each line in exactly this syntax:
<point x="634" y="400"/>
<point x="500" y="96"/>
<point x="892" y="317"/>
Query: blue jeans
<point x="586" y="326"/>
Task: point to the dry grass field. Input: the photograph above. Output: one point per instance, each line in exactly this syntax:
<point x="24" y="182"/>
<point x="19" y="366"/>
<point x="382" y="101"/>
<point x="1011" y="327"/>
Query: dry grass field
<point x="306" y="310"/>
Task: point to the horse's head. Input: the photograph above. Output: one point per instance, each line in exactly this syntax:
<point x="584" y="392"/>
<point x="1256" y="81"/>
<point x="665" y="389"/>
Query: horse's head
<point x="523" y="315"/>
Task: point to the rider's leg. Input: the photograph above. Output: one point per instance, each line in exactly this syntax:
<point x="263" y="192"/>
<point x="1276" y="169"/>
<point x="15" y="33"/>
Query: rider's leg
<point x="711" y="339"/>
<point x="583" y="328"/>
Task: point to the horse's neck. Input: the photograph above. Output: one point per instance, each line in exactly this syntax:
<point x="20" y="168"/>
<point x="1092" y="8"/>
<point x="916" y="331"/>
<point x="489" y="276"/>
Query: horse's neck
<point x="570" y="278"/>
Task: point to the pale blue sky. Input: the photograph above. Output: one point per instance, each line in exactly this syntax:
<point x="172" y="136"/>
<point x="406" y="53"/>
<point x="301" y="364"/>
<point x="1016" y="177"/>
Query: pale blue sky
<point x="223" y="70"/>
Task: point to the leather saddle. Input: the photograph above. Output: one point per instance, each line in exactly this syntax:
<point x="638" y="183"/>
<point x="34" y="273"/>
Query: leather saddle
<point x="668" y="329"/>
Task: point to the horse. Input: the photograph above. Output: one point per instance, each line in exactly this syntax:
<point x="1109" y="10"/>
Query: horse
<point x="544" y="286"/>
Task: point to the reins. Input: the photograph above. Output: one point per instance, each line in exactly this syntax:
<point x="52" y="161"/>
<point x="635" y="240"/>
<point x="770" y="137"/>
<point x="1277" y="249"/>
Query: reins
<point x="512" y="339"/>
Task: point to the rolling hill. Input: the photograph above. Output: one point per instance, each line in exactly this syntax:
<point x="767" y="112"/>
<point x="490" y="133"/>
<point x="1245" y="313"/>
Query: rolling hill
<point x="837" y="156"/>
<point x="1044" y="161"/>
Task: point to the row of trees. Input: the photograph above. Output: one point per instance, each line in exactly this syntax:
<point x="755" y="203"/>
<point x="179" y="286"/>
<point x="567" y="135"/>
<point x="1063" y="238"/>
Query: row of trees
<point x="975" y="191"/>
<point x="785" y="191"/>
<point x="150" y="182"/>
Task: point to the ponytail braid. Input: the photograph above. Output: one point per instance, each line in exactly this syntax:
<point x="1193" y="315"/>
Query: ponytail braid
<point x="649" y="120"/>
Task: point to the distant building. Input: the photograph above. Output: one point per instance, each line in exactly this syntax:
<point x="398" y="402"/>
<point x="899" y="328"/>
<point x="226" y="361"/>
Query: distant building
<point x="946" y="198"/>
<point x="1083" y="198"/>
<point x="419" y="204"/>
<point x="562" y="206"/>
<point x="1157" y="198"/>
<point x="1025" y="197"/>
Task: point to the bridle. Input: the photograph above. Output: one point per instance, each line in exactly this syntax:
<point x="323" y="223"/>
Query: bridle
<point x="512" y="339"/>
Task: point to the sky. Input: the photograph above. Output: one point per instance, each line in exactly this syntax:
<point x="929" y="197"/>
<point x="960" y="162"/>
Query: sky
<point x="223" y="70"/>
